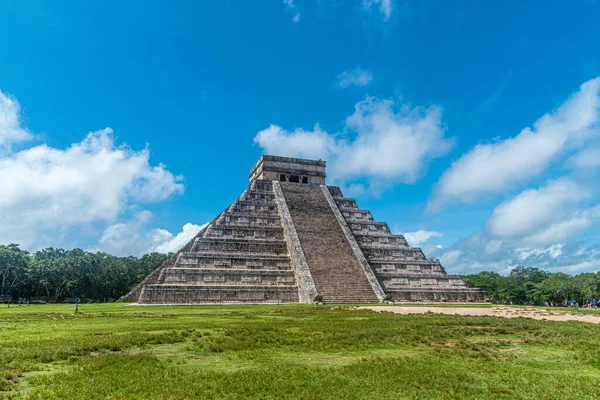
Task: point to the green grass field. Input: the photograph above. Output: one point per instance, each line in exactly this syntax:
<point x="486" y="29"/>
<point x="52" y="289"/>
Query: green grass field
<point x="305" y="352"/>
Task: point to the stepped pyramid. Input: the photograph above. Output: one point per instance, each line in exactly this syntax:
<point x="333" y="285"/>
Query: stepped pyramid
<point x="290" y="238"/>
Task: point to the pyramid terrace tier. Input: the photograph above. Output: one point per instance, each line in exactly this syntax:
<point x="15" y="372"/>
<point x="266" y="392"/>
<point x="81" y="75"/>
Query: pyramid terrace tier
<point x="437" y="295"/>
<point x="254" y="207"/>
<point x="412" y="281"/>
<point x="217" y="293"/>
<point x="411" y="276"/>
<point x="346" y="204"/>
<point x="232" y="260"/>
<point x="250" y="220"/>
<point x="400" y="254"/>
<point x="357" y="215"/>
<point x="244" y="232"/>
<point x="369" y="228"/>
<point x="226" y="276"/>
<point x="407" y="267"/>
<point x="249" y="246"/>
<point x="381" y="240"/>
<point x="260" y="195"/>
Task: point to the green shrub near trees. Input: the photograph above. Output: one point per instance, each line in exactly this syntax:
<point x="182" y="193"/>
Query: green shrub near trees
<point x="529" y="285"/>
<point x="59" y="273"/>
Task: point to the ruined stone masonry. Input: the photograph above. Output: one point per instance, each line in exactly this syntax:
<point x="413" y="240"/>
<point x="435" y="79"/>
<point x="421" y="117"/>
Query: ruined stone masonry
<point x="289" y="238"/>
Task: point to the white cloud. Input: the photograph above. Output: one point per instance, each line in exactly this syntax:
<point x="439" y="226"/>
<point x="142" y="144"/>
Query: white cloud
<point x="472" y="255"/>
<point x="291" y="6"/>
<point x="419" y="237"/>
<point x="174" y="243"/>
<point x="586" y="158"/>
<point x="384" y="6"/>
<point x="46" y="193"/>
<point x="356" y="77"/>
<point x="493" y="168"/>
<point x="534" y="209"/>
<point x="394" y="144"/>
<point x="553" y="251"/>
<point x="316" y="144"/>
<point x="390" y="144"/>
<point x="132" y="238"/>
<point x="563" y="230"/>
<point x="11" y="130"/>
<point x="544" y="216"/>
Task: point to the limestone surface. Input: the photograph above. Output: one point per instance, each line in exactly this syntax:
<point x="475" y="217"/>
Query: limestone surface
<point x="289" y="238"/>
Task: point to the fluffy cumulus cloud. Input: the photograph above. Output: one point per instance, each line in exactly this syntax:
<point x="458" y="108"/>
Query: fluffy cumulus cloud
<point x="355" y="77"/>
<point x="495" y="167"/>
<point x="133" y="238"/>
<point x="47" y="192"/>
<point x="538" y="227"/>
<point x="383" y="6"/>
<point x="419" y="237"/>
<point x="479" y="252"/>
<point x="11" y="130"/>
<point x="315" y="143"/>
<point x="382" y="143"/>
<point x="290" y="5"/>
<point x="535" y="209"/>
<point x="588" y="158"/>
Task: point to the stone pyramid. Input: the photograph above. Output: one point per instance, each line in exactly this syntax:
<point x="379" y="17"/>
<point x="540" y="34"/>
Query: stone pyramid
<point x="290" y="238"/>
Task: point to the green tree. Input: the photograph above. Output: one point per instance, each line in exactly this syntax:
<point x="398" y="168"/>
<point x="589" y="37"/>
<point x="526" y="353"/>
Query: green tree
<point x="13" y="264"/>
<point x="525" y="280"/>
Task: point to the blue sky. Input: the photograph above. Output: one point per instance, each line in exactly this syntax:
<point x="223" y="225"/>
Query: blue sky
<point x="470" y="126"/>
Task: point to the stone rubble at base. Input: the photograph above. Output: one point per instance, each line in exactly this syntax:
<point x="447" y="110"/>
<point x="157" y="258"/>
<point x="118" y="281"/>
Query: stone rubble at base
<point x="289" y="238"/>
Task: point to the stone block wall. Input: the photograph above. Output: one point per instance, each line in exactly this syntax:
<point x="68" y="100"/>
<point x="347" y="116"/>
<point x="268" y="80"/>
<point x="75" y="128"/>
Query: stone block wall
<point x="241" y="257"/>
<point x="404" y="272"/>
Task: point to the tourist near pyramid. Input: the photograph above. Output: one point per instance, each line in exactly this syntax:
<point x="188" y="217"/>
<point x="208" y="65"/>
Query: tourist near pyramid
<point x="290" y="238"/>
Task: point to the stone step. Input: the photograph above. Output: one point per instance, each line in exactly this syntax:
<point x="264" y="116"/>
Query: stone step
<point x="358" y="214"/>
<point x="383" y="246"/>
<point x="260" y="191"/>
<point x="234" y="255"/>
<point x="346" y="205"/>
<point x="333" y="265"/>
<point x="231" y="259"/>
<point x="255" y="209"/>
<point x="376" y="240"/>
<point x="415" y="275"/>
<point x="241" y="245"/>
<point x="244" y="232"/>
<point x="400" y="254"/>
<point x="262" y="184"/>
<point x="215" y="293"/>
<point x="368" y="227"/>
<point x="378" y="261"/>
<point x="269" y="200"/>
<point x="242" y="219"/>
<point x="226" y="276"/>
<point x="434" y="294"/>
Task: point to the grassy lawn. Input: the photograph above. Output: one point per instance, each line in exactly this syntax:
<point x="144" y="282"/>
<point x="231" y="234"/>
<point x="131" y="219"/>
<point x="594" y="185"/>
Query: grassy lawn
<point x="306" y="352"/>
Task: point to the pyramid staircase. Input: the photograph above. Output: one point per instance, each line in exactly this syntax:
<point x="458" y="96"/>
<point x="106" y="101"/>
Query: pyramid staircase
<point x="336" y="272"/>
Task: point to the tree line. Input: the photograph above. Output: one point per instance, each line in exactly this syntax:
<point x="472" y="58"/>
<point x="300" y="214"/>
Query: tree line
<point x="529" y="285"/>
<point x="57" y="273"/>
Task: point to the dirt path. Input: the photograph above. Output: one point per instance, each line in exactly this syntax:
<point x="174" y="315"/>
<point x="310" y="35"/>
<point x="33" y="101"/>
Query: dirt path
<point x="507" y="312"/>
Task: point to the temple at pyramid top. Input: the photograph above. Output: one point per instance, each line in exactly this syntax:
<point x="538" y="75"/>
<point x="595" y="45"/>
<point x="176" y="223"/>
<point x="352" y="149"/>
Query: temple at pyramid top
<point x="287" y="169"/>
<point x="290" y="238"/>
